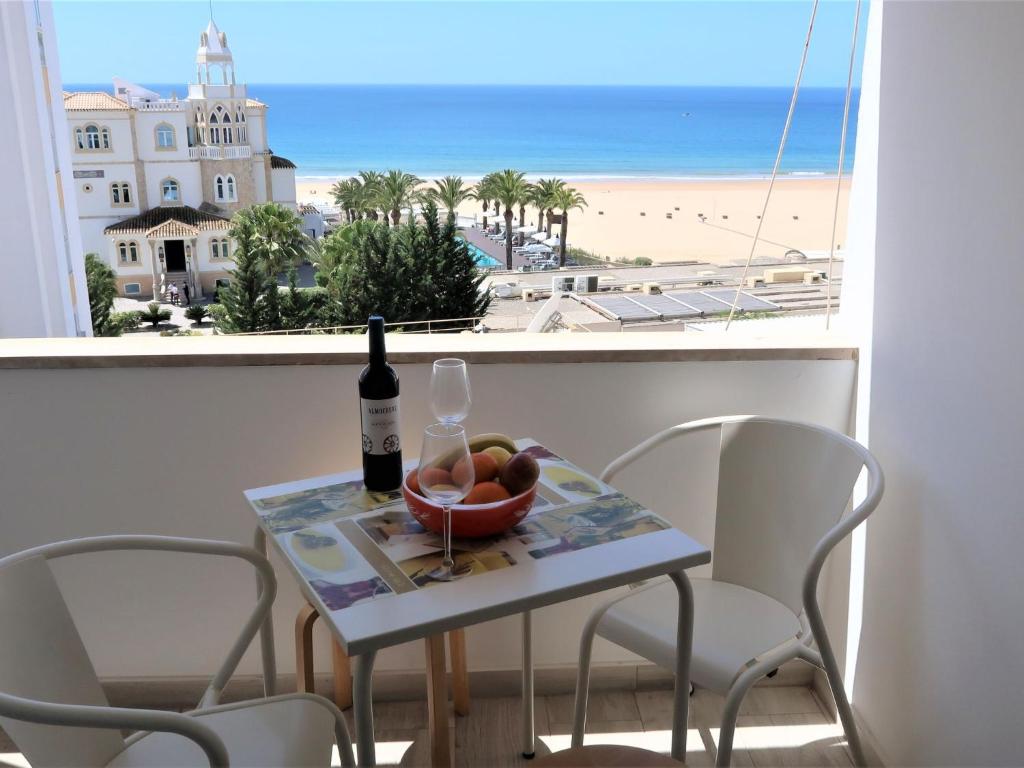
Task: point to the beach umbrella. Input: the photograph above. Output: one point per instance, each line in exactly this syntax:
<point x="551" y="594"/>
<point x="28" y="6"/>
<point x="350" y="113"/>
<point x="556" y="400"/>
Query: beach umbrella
<point x="526" y="230"/>
<point x="554" y="242"/>
<point x="538" y="248"/>
<point x="539" y="236"/>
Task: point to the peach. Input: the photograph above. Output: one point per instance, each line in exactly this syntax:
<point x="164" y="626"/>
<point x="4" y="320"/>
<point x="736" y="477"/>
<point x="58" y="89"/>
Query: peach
<point x="486" y="493"/>
<point x="484" y="468"/>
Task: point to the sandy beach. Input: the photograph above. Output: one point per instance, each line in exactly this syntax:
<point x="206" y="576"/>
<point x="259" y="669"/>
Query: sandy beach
<point x="627" y="218"/>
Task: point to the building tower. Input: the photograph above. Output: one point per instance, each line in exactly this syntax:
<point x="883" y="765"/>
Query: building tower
<point x="214" y="64"/>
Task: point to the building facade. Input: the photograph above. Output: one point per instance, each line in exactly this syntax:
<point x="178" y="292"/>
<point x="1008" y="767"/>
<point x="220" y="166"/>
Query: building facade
<point x="157" y="179"/>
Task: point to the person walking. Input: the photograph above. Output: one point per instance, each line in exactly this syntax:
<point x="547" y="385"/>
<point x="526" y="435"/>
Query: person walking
<point x="173" y="291"/>
<point x="184" y="290"/>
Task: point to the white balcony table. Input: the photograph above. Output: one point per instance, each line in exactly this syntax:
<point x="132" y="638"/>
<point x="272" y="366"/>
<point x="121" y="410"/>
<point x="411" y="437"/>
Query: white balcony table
<point x="363" y="562"/>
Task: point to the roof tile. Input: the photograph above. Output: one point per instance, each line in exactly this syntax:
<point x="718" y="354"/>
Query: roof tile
<point x="82" y="101"/>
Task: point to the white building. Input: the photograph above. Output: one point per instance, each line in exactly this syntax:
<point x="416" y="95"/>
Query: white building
<point x="157" y="179"/>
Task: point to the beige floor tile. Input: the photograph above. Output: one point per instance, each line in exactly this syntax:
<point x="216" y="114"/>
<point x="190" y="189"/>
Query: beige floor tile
<point x="491" y="734"/>
<point x="602" y="706"/>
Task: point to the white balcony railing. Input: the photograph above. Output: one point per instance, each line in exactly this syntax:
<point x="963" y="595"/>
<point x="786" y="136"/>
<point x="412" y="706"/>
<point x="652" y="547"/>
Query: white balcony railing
<point x="159" y="105"/>
<point x="219" y="153"/>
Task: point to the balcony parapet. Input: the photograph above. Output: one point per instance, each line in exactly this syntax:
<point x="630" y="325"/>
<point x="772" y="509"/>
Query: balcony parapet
<point x="493" y="348"/>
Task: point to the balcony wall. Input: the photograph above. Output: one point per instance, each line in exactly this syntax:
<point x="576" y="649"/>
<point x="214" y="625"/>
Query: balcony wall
<point x="108" y="436"/>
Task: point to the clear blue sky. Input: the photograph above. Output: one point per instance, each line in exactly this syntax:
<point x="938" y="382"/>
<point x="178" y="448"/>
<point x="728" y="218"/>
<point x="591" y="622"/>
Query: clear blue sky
<point x="725" y="42"/>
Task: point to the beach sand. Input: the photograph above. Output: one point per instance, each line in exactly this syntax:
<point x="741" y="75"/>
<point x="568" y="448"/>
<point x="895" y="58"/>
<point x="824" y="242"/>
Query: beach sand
<point x="626" y="218"/>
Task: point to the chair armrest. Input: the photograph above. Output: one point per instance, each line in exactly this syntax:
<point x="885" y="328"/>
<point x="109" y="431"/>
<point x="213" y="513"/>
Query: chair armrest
<point x="262" y="565"/>
<point x="81" y="716"/>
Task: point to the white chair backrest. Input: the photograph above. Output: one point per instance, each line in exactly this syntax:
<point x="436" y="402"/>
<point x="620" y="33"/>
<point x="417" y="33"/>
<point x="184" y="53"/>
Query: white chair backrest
<point x="42" y="657"/>
<point x="781" y="487"/>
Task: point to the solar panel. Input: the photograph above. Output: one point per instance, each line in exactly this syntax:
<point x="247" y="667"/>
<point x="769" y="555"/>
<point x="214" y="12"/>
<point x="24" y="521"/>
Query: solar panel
<point x="667" y="307"/>
<point x="622" y="308"/>
<point x="700" y="301"/>
<point x="748" y="302"/>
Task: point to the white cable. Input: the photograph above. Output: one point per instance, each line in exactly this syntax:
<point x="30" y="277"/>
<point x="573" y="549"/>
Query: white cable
<point x="778" y="160"/>
<point x="839" y="172"/>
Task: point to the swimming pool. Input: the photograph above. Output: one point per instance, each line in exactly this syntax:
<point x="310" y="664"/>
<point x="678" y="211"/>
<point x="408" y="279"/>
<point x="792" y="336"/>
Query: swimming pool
<point x="482" y="258"/>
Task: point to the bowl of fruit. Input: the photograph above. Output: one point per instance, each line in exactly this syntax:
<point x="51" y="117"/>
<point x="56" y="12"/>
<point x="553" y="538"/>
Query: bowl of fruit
<point x="503" y="493"/>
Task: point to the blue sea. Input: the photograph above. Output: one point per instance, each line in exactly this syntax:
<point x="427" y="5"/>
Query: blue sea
<point x="572" y="131"/>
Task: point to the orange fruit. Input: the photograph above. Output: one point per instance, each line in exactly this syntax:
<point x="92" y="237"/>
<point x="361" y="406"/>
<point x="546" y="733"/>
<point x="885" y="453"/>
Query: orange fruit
<point x="435" y="476"/>
<point x="486" y="493"/>
<point x="414" y="483"/>
<point x="484" y="468"/>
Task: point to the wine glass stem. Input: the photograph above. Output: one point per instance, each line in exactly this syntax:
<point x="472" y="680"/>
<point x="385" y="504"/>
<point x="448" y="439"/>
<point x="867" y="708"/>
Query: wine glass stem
<point x="448" y="562"/>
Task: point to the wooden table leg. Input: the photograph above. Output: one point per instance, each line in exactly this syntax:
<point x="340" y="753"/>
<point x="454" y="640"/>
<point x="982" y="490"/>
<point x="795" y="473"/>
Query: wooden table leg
<point x="437" y="703"/>
<point x="342" y="676"/>
<point x="304" y="682"/>
<point x="460" y="674"/>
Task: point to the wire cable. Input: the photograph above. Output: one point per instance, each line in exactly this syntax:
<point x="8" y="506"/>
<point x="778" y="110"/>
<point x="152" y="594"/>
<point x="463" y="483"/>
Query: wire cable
<point x="775" y="168"/>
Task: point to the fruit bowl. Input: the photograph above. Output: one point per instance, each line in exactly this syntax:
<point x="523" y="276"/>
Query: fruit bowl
<point x="470" y="521"/>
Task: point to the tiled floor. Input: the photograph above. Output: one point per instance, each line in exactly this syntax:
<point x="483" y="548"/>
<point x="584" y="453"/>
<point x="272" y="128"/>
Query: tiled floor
<point x="778" y="726"/>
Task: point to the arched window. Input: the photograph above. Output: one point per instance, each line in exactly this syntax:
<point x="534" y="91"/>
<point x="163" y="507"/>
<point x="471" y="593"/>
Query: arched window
<point x="122" y="250"/>
<point x="224" y="252"/>
<point x="218" y="188"/>
<point x="120" y="193"/>
<point x="133" y="252"/>
<point x="169" y="191"/>
<point x="227" y="134"/>
<point x="106" y="138"/>
<point x="165" y="136"/>
<point x="92" y="137"/>
<point x="231" y="188"/>
<point x="79" y="138"/>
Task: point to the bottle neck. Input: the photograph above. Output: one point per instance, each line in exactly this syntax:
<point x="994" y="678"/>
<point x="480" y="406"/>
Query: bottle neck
<point x="378" y="354"/>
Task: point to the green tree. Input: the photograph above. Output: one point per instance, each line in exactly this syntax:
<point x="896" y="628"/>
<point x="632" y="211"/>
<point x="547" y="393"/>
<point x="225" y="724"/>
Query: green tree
<point x="484" y="194"/>
<point x="396" y="192"/>
<point x="196" y="313"/>
<point x="449" y="280"/>
<point x="566" y="199"/>
<point x="101" y="283"/>
<point x="543" y="194"/>
<point x="450" y="192"/>
<point x="372" y="182"/>
<point x="509" y="188"/>
<point x="244" y="299"/>
<point x="295" y="306"/>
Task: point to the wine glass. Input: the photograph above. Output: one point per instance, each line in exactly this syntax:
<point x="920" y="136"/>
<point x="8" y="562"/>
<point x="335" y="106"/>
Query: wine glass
<point x="444" y="447"/>
<point x="450" y="397"/>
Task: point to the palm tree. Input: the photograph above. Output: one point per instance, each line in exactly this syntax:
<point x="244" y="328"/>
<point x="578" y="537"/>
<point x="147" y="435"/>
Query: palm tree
<point x="484" y="194"/>
<point x="450" y="192"/>
<point x="277" y="236"/>
<point x="372" y="182"/>
<point x="509" y="188"/>
<point x="566" y="199"/>
<point x="396" y="193"/>
<point x="545" y="190"/>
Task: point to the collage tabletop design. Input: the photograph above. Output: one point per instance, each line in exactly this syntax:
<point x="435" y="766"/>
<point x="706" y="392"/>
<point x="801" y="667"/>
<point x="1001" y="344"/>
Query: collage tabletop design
<point x="353" y="545"/>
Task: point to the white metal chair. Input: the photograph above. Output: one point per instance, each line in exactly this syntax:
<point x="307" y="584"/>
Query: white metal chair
<point x="783" y="488"/>
<point x="53" y="707"/>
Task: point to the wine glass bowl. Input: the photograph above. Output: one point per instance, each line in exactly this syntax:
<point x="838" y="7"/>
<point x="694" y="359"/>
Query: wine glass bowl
<point x="450" y="394"/>
<point x="444" y="446"/>
<point x="469" y="521"/>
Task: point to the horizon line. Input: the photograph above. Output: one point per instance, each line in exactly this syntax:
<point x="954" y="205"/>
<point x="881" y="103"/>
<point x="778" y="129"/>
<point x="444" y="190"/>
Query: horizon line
<point x="495" y="85"/>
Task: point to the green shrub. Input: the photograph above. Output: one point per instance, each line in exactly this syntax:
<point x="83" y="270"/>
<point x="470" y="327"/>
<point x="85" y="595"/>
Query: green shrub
<point x="196" y="313"/>
<point x="155" y="314"/>
<point x="180" y="332"/>
<point x="123" y="321"/>
<point x="642" y="261"/>
<point x="101" y="285"/>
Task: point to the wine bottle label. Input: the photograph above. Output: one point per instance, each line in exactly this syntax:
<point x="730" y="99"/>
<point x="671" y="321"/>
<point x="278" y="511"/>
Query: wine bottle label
<point x="380" y="426"/>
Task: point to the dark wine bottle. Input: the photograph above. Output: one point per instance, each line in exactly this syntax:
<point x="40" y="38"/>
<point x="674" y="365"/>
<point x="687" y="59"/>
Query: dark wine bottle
<point x="378" y="404"/>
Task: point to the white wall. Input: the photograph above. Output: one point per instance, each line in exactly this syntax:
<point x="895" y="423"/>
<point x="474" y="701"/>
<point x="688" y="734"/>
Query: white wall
<point x="43" y="288"/>
<point x="940" y="676"/>
<point x="169" y="450"/>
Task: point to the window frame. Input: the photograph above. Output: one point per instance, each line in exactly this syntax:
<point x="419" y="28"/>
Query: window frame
<point x="165" y="128"/>
<point x="170" y="180"/>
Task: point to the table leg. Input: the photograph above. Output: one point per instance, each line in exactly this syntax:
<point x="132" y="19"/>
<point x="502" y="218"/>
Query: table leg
<point x="267" y="630"/>
<point x="528" y="718"/>
<point x="342" y="675"/>
<point x="362" y="696"/>
<point x="684" y="649"/>
<point x="460" y="672"/>
<point x="304" y="679"/>
<point x="437" y="702"/>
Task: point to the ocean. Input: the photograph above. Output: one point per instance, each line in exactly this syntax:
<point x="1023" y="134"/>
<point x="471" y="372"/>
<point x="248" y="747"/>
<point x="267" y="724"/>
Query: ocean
<point x="571" y="131"/>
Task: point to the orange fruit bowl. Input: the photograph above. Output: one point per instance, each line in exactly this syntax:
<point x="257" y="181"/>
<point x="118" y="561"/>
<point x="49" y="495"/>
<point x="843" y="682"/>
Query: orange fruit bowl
<point x="470" y="521"/>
